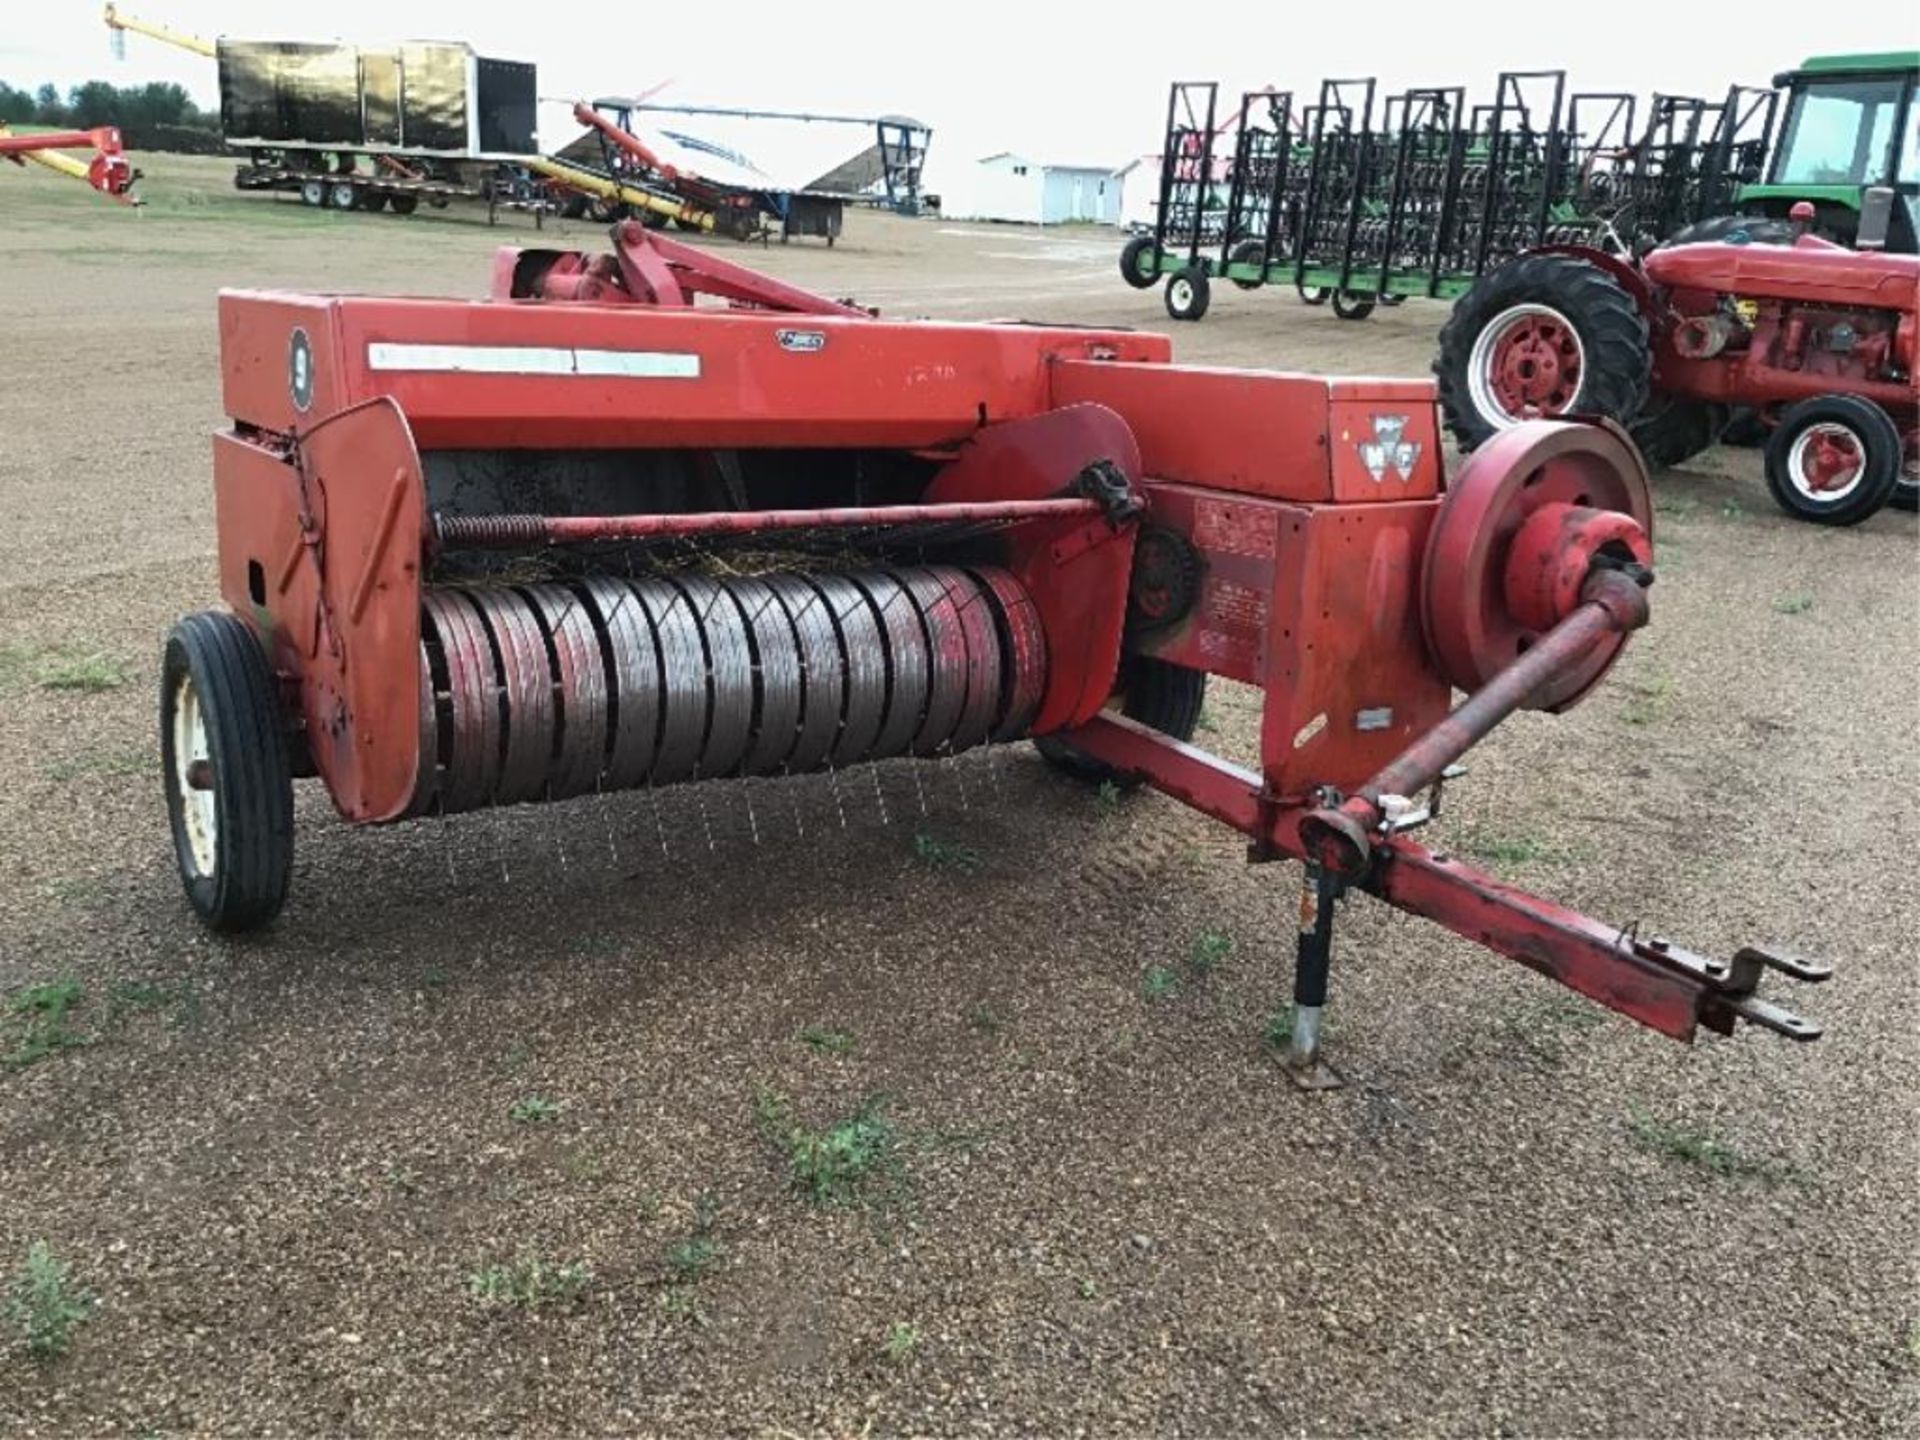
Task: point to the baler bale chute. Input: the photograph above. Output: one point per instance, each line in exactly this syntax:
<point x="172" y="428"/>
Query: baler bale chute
<point x="589" y="535"/>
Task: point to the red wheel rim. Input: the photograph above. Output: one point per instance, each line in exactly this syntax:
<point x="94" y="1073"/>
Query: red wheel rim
<point x="1527" y="364"/>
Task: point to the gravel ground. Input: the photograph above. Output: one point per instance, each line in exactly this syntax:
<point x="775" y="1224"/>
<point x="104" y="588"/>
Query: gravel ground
<point x="277" y="1165"/>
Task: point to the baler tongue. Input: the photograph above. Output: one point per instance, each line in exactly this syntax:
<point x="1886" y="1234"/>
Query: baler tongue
<point x="649" y="518"/>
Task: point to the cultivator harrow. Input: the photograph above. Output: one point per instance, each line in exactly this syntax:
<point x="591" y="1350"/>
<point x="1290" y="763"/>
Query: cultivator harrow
<point x="1368" y="200"/>
<point x="590" y="535"/>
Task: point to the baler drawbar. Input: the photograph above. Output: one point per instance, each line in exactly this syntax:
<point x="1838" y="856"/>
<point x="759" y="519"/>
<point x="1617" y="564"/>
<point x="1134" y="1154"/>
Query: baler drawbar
<point x="648" y="517"/>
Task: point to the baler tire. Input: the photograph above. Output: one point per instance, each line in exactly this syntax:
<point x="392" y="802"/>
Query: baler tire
<point x="1157" y="693"/>
<point x="1249" y="252"/>
<point x="1188" y="292"/>
<point x="1350" y="306"/>
<point x="236" y="878"/>
<point x="1131" y="270"/>
<point x="1616" y="359"/>
<point x="1870" y="428"/>
<point x="403" y="204"/>
<point x="1670" y="431"/>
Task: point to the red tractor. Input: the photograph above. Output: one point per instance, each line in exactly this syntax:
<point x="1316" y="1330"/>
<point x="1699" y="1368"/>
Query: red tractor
<point x="1818" y="340"/>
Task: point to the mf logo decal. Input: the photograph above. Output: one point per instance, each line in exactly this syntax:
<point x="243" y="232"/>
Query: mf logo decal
<point x="1389" y="449"/>
<point x="801" y="342"/>
<point x="300" y="370"/>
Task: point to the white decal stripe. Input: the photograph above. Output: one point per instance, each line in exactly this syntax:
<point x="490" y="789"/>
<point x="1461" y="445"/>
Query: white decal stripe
<point x="533" y="360"/>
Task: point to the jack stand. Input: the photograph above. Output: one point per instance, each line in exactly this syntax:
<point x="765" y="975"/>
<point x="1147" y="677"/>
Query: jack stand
<point x="1305" y="1068"/>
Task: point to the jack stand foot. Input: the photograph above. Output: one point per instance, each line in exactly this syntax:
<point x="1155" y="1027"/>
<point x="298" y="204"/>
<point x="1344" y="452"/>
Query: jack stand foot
<point x="1303" y="1063"/>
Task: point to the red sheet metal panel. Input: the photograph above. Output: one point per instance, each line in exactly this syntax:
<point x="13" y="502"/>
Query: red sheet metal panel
<point x="1248" y="431"/>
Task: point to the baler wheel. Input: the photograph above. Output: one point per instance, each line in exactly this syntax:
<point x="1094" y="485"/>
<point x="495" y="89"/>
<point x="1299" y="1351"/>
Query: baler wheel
<point x="1188" y="292"/>
<point x="1140" y="262"/>
<point x="1249" y="252"/>
<point x="1833" y="459"/>
<point x="1544" y="335"/>
<point x="1350" y="306"/>
<point x="1161" y="695"/>
<point x="229" y="784"/>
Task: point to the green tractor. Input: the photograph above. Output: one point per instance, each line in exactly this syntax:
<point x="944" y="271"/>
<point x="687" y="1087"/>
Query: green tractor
<point x="1852" y="125"/>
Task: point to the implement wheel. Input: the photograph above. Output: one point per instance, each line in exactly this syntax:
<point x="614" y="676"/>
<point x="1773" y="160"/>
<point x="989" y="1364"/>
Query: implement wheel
<point x="223" y="756"/>
<point x="1164" y="696"/>
<point x="1350" y="306"/>
<point x="1140" y="262"/>
<point x="1834" y="459"/>
<point x="1542" y="336"/>
<point x="1312" y="294"/>
<point x="1249" y="252"/>
<point x="1188" y="292"/>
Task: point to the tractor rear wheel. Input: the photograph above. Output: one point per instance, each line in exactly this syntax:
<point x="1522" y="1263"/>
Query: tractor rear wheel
<point x="1543" y="335"/>
<point x="1349" y="305"/>
<point x="1188" y="292"/>
<point x="1140" y="262"/>
<point x="1160" y="695"/>
<point x="1670" y="430"/>
<point x="1833" y="459"/>
<point x="1249" y="252"/>
<point x="229" y="786"/>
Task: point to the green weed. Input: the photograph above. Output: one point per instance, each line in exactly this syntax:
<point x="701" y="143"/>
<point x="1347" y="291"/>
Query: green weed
<point x="1159" y="982"/>
<point x="36" y="1022"/>
<point x="1797" y="603"/>
<point x="1698" y="1147"/>
<point x="43" y="1304"/>
<point x="826" y="1041"/>
<point x="133" y="760"/>
<point x="1209" y="951"/>
<point x="832" y="1166"/>
<point x="1505" y="849"/>
<point x="1107" y="797"/>
<point x="1278" y="1032"/>
<point x="941" y="854"/>
<point x="534" y="1110"/>
<point x="528" y="1281"/>
<point x="63" y="667"/>
<point x="1648" y="700"/>
<point x="901" y="1340"/>
<point x="985" y="1019"/>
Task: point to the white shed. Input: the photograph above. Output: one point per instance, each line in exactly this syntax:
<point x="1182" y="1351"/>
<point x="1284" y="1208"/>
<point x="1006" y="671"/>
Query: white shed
<point x="1011" y="187"/>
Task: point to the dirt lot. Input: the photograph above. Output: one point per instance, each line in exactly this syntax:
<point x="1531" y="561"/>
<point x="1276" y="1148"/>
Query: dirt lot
<point x="282" y="1167"/>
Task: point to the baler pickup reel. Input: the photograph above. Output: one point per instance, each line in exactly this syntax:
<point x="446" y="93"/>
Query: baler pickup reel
<point x="648" y="518"/>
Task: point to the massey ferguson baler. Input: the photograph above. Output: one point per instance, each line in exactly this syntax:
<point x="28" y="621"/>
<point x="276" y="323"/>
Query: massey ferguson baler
<point x="590" y="535"/>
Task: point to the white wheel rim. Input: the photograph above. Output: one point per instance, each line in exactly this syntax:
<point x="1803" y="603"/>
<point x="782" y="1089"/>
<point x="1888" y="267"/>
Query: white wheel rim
<point x="1487" y="343"/>
<point x="1800" y="462"/>
<point x="1182" y="293"/>
<point x="197" y="812"/>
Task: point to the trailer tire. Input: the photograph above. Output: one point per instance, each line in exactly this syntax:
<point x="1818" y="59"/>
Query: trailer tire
<point x="1140" y="262"/>
<point x="403" y="204"/>
<point x="374" y="201"/>
<point x="1553" y="307"/>
<point x="1350" y="306"/>
<point x="1249" y="252"/>
<point x="313" y="192"/>
<point x="1312" y="294"/>
<point x="233" y="831"/>
<point x="342" y="196"/>
<point x="1160" y="695"/>
<point x="1188" y="292"/>
<point x="1851" y="422"/>
<point x="1670" y="430"/>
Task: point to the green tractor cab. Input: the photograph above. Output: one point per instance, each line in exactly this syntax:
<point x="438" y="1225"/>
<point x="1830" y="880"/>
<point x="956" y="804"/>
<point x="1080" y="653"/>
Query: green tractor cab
<point x="1850" y="127"/>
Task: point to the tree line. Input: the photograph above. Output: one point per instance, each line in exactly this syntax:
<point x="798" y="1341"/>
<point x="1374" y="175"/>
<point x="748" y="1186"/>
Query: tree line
<point x="159" y="115"/>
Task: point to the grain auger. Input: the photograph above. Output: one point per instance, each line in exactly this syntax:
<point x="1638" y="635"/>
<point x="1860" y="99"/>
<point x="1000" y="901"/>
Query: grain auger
<point x="648" y="517"/>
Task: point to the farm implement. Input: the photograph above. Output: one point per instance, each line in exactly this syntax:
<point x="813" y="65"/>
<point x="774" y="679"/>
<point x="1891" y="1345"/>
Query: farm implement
<point x="108" y="171"/>
<point x="589" y="535"/>
<point x="1363" y="200"/>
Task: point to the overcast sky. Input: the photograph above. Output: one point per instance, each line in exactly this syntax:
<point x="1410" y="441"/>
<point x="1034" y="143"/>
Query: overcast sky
<point x="1071" y="82"/>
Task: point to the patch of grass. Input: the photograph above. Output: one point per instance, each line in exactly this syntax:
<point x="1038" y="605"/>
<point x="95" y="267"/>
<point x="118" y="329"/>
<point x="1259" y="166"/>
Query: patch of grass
<point x="1505" y="849"/>
<point x="941" y="854"/>
<point x="1087" y="1288"/>
<point x="1731" y="508"/>
<point x="985" y="1019"/>
<point x="515" y="1060"/>
<point x="36" y="1022"/>
<point x="691" y="1258"/>
<point x="1159" y="982"/>
<point x="683" y="1304"/>
<point x="1678" y="509"/>
<point x="133" y="997"/>
<point x="403" y="1178"/>
<point x="1797" y="603"/>
<point x="826" y="1041"/>
<point x="43" y="1305"/>
<point x="528" y="1281"/>
<point x="132" y="760"/>
<point x="1277" y="1034"/>
<point x="899" y="1343"/>
<point x="534" y="1110"/>
<point x="834" y="1165"/>
<point x="1648" y="700"/>
<point x="1701" y="1148"/>
<point x="579" y="1165"/>
<point x="649" y="1204"/>
<point x="1210" y="951"/>
<point x="63" y="667"/>
<point x="1107" y="797"/>
<point x="1205" y="720"/>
